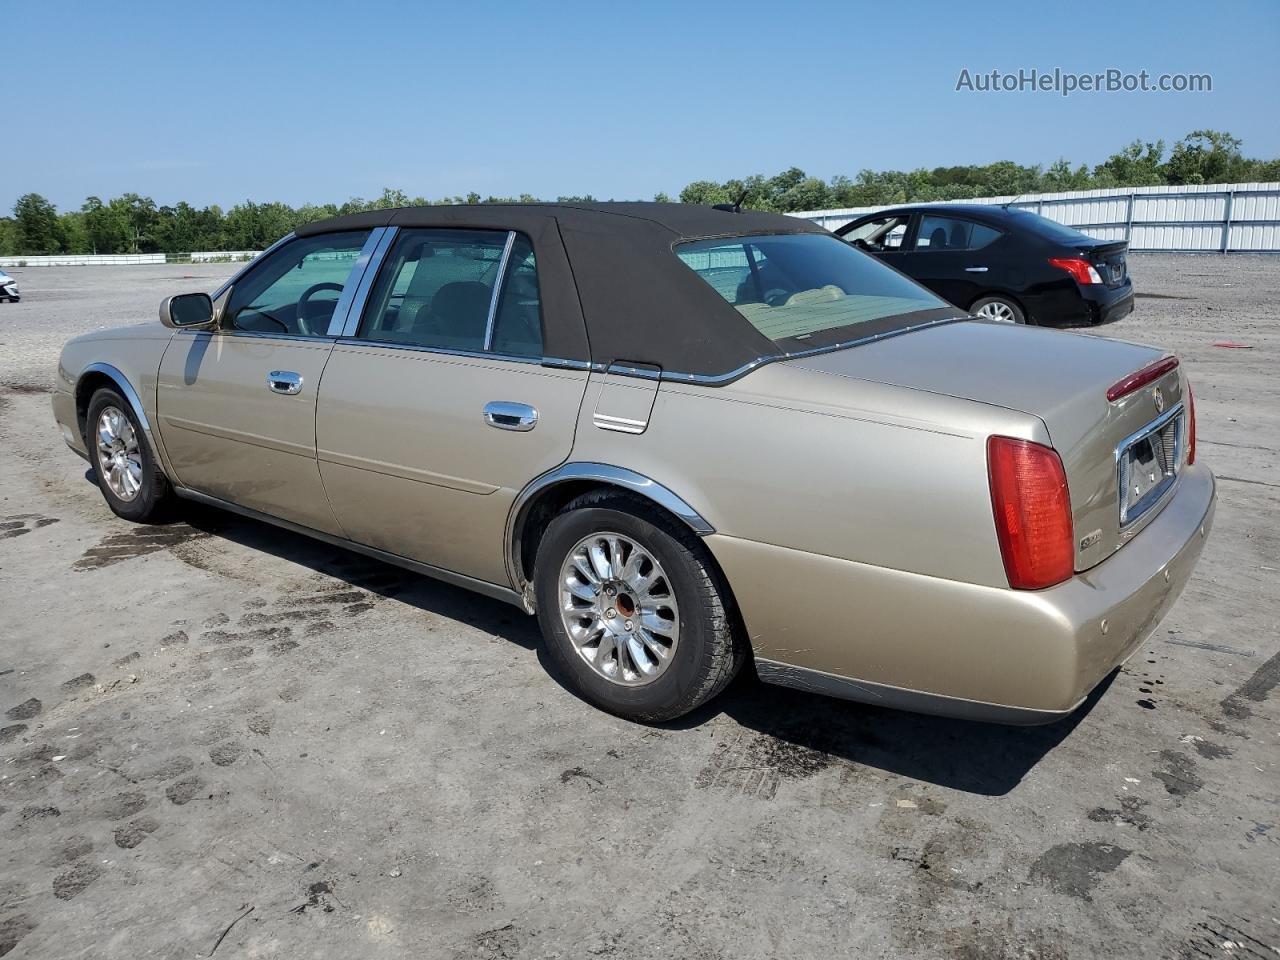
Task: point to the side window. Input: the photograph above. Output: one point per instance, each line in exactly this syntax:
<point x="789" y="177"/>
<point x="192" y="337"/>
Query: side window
<point x="949" y="233"/>
<point x="517" y="327"/>
<point x="294" y="291"/>
<point x="885" y="233"/>
<point x="436" y="289"/>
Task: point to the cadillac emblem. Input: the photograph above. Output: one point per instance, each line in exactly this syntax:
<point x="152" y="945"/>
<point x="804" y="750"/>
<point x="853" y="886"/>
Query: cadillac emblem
<point x="1158" y="397"/>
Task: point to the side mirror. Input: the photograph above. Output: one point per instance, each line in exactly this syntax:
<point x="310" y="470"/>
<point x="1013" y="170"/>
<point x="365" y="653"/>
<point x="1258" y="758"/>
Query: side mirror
<point x="186" y="311"/>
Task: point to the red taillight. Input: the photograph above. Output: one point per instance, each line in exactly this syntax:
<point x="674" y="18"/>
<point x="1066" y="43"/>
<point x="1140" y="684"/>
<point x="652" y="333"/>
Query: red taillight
<point x="1032" y="512"/>
<point x="1191" y="425"/>
<point x="1140" y="378"/>
<point x="1081" y="270"/>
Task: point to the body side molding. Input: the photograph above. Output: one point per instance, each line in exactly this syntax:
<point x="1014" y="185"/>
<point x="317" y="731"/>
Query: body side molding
<point x="603" y="473"/>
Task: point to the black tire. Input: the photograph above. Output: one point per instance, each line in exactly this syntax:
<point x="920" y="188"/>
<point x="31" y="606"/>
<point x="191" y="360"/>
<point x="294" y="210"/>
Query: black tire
<point x="1004" y="303"/>
<point x="154" y="499"/>
<point x="710" y="651"/>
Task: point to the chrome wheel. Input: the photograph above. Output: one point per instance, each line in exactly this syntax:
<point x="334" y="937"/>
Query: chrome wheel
<point x="119" y="459"/>
<point x="619" y="609"/>
<point x="998" y="311"/>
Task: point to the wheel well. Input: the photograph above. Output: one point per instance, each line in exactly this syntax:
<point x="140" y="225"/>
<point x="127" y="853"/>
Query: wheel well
<point x="85" y="389"/>
<point x="540" y="512"/>
<point x="549" y="503"/>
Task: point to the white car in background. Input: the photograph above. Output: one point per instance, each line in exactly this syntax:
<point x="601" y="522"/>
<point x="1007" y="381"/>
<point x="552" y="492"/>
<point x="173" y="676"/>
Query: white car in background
<point x="8" y="288"/>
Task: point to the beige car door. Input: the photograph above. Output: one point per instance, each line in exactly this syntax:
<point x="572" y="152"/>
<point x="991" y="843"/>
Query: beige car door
<point x="439" y="411"/>
<point x="237" y="406"/>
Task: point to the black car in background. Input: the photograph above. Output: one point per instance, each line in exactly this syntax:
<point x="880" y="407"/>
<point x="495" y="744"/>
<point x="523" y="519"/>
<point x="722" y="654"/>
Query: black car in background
<point x="1001" y="263"/>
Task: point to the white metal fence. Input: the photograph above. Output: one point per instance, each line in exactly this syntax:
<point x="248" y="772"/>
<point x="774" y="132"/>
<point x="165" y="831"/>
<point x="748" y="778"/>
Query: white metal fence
<point x="1203" y="219"/>
<point x="115" y="259"/>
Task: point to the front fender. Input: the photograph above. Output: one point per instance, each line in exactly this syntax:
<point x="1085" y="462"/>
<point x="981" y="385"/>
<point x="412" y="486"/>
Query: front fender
<point x="126" y="360"/>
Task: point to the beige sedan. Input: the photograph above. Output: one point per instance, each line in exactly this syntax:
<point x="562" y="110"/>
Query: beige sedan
<point x="686" y="438"/>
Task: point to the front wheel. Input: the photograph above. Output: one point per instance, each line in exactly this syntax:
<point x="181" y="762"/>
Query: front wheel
<point x="130" y="480"/>
<point x="633" y="610"/>
<point x="999" y="309"/>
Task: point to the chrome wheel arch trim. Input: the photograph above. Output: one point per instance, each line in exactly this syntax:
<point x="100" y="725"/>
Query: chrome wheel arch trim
<point x="602" y="473"/>
<point x="131" y="397"/>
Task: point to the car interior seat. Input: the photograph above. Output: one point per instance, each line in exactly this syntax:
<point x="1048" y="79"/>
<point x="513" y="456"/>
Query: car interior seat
<point x="938" y="239"/>
<point x="457" y="316"/>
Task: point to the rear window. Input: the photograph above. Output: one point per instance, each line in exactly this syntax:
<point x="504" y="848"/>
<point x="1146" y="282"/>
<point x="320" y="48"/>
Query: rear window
<point x="798" y="288"/>
<point x="1050" y="229"/>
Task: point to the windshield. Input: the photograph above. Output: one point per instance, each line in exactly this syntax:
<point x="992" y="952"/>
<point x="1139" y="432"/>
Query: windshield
<point x="796" y="288"/>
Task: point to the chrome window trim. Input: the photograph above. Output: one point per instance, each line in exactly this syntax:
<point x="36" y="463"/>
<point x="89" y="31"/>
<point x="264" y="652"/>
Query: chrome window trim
<point x="1157" y="494"/>
<point x="338" y="322"/>
<point x="716" y="380"/>
<point x="603" y="473"/>
<point x="499" y="280"/>
<point x="359" y="299"/>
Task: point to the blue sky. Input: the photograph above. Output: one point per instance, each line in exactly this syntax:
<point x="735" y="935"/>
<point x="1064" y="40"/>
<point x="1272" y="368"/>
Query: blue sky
<point x="221" y="101"/>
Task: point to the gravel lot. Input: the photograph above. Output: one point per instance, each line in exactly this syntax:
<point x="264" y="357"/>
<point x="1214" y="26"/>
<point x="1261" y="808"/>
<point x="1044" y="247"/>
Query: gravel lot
<point x="219" y="724"/>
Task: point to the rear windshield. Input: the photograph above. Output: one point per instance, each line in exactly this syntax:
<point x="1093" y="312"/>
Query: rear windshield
<point x="1050" y="229"/>
<point x="809" y="289"/>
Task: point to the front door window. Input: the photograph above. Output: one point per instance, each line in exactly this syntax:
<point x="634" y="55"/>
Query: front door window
<point x="295" y="290"/>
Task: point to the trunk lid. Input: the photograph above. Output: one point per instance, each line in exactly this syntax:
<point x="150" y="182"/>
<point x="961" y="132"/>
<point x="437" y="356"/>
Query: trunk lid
<point x="1063" y="379"/>
<point x="1109" y="259"/>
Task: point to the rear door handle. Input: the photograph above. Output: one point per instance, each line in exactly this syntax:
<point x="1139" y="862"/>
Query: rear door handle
<point x="506" y="415"/>
<point x="975" y="269"/>
<point x="284" y="381"/>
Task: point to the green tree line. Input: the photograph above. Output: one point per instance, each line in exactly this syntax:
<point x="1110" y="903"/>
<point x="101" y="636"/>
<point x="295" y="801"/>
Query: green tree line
<point x="136" y="224"/>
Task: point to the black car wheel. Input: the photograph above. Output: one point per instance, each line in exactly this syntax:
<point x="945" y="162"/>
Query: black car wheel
<point x="999" y="309"/>
<point x="633" y="609"/>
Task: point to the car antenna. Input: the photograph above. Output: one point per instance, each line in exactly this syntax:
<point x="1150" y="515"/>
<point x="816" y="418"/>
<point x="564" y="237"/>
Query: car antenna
<point x="735" y="207"/>
<point x="1007" y="203"/>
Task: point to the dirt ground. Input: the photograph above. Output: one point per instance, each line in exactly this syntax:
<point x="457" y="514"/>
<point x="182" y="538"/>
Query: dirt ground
<point x="224" y="739"/>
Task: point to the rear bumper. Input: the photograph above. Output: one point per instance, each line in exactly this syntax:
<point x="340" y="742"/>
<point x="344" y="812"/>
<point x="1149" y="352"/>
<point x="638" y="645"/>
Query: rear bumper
<point x="938" y="646"/>
<point x="1071" y="304"/>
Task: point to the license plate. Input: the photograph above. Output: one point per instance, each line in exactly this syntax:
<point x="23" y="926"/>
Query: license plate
<point x="1148" y="464"/>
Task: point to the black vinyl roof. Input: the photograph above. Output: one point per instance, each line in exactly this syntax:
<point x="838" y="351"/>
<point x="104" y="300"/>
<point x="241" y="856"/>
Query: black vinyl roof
<point x="685" y="221"/>
<point x="612" y="290"/>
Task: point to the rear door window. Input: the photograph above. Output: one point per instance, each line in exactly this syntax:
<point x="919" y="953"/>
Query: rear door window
<point x="474" y="291"/>
<point x="953" y="233"/>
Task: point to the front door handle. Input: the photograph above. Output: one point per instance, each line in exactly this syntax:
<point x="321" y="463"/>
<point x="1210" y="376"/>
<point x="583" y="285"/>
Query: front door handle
<point x="284" y="381"/>
<point x="506" y="415"/>
<point x="975" y="269"/>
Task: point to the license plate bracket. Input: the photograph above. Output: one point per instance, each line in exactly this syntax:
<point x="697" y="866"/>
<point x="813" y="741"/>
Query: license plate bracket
<point x="1147" y="464"/>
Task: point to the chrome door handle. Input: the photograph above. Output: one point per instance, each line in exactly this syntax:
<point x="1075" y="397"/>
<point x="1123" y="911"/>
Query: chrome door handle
<point x="506" y="415"/>
<point x="284" y="381"/>
<point x="975" y="269"/>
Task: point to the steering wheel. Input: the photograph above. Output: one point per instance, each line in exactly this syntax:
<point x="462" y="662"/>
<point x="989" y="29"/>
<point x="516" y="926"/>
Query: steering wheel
<point x="304" y="321"/>
<point x="861" y="244"/>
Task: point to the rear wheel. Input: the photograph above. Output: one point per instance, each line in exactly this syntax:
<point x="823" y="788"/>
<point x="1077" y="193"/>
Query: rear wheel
<point x="633" y="610"/>
<point x="130" y="479"/>
<point x="999" y="309"/>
